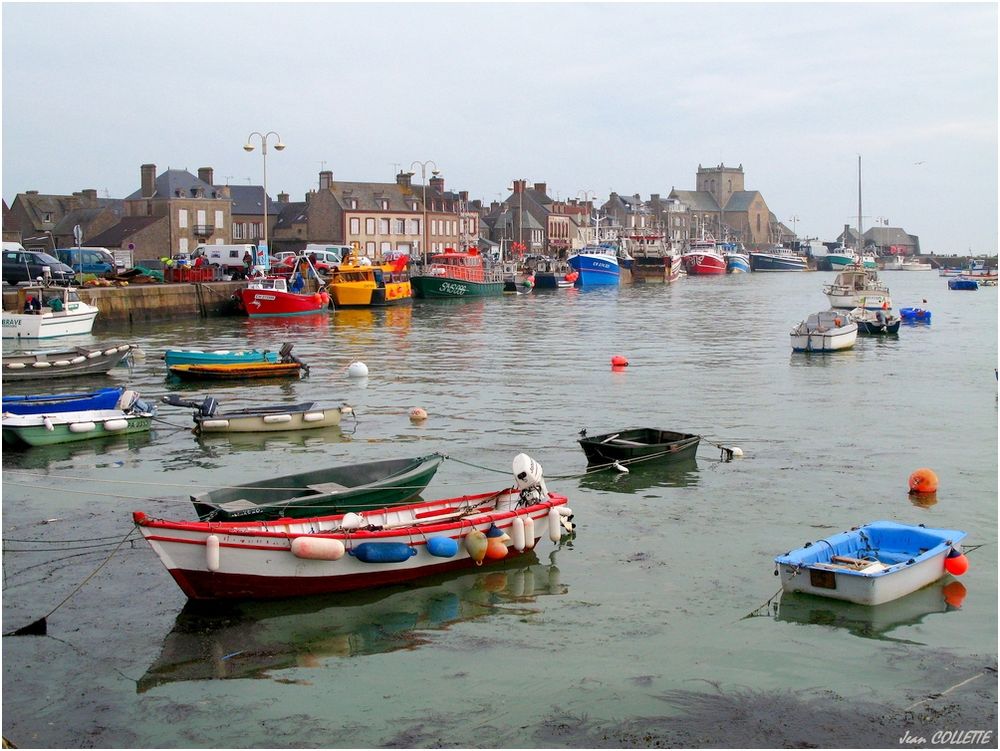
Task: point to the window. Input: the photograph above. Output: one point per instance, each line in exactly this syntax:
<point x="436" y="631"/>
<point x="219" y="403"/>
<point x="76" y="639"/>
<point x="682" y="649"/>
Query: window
<point x="386" y="248"/>
<point x="182" y="218"/>
<point x="238" y="230"/>
<point x="400" y="226"/>
<point x="182" y="245"/>
<point x="219" y="220"/>
<point x="413" y="226"/>
<point x="383" y="226"/>
<point x="355" y="225"/>
<point x="354" y="203"/>
<point x="384" y="203"/>
<point x="370" y="248"/>
<point x="201" y="217"/>
<point x="370" y="226"/>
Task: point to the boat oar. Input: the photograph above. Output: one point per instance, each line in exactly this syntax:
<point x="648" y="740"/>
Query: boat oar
<point x="40" y="627"/>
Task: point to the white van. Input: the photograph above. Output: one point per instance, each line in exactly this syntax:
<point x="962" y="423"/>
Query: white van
<point x="229" y="257"/>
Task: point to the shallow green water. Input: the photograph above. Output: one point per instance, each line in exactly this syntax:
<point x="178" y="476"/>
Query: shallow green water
<point x="651" y="596"/>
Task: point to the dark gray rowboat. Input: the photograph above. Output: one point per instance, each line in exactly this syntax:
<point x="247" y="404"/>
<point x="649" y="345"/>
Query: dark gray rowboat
<point x="639" y="445"/>
<point x="321" y="492"/>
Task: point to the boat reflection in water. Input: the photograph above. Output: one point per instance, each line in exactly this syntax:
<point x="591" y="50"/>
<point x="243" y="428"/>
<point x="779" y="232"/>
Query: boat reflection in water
<point x="212" y="641"/>
<point x="282" y="439"/>
<point x="872" y="622"/>
<point x="680" y="474"/>
<point x="99" y="452"/>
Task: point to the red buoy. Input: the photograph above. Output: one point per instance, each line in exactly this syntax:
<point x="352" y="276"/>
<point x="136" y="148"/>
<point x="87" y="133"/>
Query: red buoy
<point x="619" y="361"/>
<point x="923" y="480"/>
<point x="956" y="566"/>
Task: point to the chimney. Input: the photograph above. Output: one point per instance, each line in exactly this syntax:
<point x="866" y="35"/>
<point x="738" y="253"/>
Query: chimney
<point x="654" y="197"/>
<point x="205" y="174"/>
<point x="437" y="183"/>
<point x="325" y="179"/>
<point x="404" y="179"/>
<point x="540" y="187"/>
<point x="148" y="180"/>
<point x="90" y="196"/>
<point x="463" y="195"/>
<point x="519" y="186"/>
<point x="282" y="198"/>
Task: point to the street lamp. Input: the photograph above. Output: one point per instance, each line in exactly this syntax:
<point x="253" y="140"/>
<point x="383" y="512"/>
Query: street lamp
<point x="795" y="221"/>
<point x="423" y="179"/>
<point x="263" y="150"/>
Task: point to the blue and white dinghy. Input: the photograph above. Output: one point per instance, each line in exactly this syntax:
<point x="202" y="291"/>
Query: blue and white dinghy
<point x="875" y="563"/>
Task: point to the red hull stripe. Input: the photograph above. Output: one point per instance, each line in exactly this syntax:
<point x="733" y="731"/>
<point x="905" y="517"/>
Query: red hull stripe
<point x="202" y="585"/>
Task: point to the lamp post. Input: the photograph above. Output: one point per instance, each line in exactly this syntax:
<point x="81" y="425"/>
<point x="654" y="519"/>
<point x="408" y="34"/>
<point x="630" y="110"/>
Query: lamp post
<point x="278" y="146"/>
<point x="795" y="222"/>
<point x="423" y="179"/>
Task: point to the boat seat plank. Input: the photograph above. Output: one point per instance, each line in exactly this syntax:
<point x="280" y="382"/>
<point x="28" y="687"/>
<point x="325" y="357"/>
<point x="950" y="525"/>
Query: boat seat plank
<point x="624" y="442"/>
<point x="240" y="504"/>
<point x="328" y="487"/>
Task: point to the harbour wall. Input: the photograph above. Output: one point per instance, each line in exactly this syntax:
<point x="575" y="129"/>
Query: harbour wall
<point x="152" y="302"/>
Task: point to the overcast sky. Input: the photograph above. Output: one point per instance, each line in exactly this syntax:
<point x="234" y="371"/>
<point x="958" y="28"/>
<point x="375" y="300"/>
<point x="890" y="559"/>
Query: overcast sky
<point x="581" y="96"/>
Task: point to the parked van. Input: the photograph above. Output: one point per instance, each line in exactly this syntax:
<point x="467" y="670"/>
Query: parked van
<point x="229" y="257"/>
<point x="98" y="261"/>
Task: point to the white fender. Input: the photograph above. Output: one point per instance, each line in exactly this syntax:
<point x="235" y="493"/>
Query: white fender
<point x="61" y="363"/>
<point x="529" y="532"/>
<point x="92" y="355"/>
<point x="313" y="416"/>
<point x="555" y="525"/>
<point x="517" y="533"/>
<point x="81" y="427"/>
<point x="111" y="350"/>
<point x="116" y="424"/>
<point x="17" y="365"/>
<point x="274" y="419"/>
<point x="212" y="424"/>
<point x="78" y="359"/>
<point x="41" y="365"/>
<point x="47" y="422"/>
<point x="318" y="548"/>
<point x="212" y="552"/>
<point x="565" y="511"/>
<point x="352" y="521"/>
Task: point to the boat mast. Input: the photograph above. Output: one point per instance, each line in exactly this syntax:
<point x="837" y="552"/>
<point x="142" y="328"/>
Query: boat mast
<point x="860" y="243"/>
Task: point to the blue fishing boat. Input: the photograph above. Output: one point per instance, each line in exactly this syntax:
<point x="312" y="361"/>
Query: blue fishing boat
<point x="961" y="282"/>
<point x="737" y="260"/>
<point x="872" y="564"/>
<point x="915" y="315"/>
<point x="779" y="258"/>
<point x="217" y="357"/>
<point x="597" y="265"/>
<point x="106" y="398"/>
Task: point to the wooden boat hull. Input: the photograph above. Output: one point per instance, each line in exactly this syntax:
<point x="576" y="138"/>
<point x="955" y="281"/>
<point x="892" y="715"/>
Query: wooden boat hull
<point x="258" y="560"/>
<point x="321" y="492"/>
<point x="63" y="364"/>
<point x="67" y="427"/>
<point x="703" y="264"/>
<point x="272" y="303"/>
<point x="216" y="357"/>
<point x="269" y="422"/>
<point x="237" y="371"/>
<point x="903" y="558"/>
<point x="430" y="287"/>
<point x="639" y="446"/>
<point x="46" y="404"/>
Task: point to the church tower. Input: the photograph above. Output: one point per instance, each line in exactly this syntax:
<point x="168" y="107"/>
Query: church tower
<point x="721" y="182"/>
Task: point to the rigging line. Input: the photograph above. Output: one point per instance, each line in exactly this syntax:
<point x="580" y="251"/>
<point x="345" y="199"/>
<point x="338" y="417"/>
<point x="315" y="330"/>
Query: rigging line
<point x="40" y="622"/>
<point x="46" y="550"/>
<point x="755" y="613"/>
<point x="59" y="542"/>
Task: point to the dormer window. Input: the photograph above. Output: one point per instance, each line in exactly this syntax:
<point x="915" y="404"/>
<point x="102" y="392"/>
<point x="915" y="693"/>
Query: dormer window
<point x="384" y="203"/>
<point x="354" y="203"/>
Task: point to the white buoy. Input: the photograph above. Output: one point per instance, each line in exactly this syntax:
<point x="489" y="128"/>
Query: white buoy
<point x="555" y="525"/>
<point x="737" y="452"/>
<point x="352" y="521"/>
<point x="418" y="414"/>
<point x="517" y="530"/>
<point x="357" y="369"/>
<point x="212" y="552"/>
<point x="620" y="467"/>
<point x="529" y="533"/>
<point x="318" y="548"/>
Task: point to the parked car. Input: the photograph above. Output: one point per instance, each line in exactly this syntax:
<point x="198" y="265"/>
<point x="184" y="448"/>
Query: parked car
<point x="27" y="266"/>
<point x="88" y="260"/>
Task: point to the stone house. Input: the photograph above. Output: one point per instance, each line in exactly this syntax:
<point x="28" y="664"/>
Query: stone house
<point x="196" y="211"/>
<point x="722" y="208"/>
<point x="46" y="221"/>
<point x="140" y="238"/>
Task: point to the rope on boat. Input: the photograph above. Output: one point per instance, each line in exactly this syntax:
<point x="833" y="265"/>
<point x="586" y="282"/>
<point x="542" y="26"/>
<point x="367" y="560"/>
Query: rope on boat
<point x="39" y="627"/>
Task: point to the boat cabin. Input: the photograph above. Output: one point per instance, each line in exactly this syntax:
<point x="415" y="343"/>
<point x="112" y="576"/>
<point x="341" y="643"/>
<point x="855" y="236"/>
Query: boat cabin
<point x="36" y="298"/>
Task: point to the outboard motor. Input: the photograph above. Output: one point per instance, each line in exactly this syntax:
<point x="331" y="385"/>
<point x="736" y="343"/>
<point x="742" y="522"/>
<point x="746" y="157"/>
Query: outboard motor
<point x="529" y="480"/>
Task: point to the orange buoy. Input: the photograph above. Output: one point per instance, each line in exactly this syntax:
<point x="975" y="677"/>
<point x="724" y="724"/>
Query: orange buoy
<point x="619" y="361"/>
<point x="954" y="594"/>
<point x="923" y="480"/>
<point x="956" y="566"/>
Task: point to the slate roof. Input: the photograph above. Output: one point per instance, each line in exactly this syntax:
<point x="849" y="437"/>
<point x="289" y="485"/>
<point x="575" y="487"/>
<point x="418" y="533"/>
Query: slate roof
<point x="890" y="236"/>
<point x="696" y="200"/>
<point x="83" y="217"/>
<point x="368" y="195"/>
<point x="741" y="200"/>
<point x="290" y="214"/>
<point x="117" y="236"/>
<point x="247" y="199"/>
<point x="179" y="183"/>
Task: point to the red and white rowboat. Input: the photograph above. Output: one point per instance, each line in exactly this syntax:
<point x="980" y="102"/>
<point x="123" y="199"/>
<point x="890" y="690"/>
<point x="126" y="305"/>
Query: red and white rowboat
<point x="291" y="557"/>
<point x="270" y="296"/>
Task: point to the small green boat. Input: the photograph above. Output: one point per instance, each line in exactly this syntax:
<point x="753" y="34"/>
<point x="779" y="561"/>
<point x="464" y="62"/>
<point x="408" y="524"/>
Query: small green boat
<point x="452" y="274"/>
<point x="64" y="427"/>
<point x="320" y="492"/>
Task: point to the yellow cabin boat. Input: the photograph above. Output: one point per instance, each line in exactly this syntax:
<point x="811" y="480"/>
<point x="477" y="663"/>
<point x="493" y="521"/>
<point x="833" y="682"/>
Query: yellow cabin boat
<point x="357" y="284"/>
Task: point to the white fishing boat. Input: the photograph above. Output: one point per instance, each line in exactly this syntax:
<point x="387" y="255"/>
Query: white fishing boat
<point x="826" y="331"/>
<point x="45" y="312"/>
<point x="858" y="287"/>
